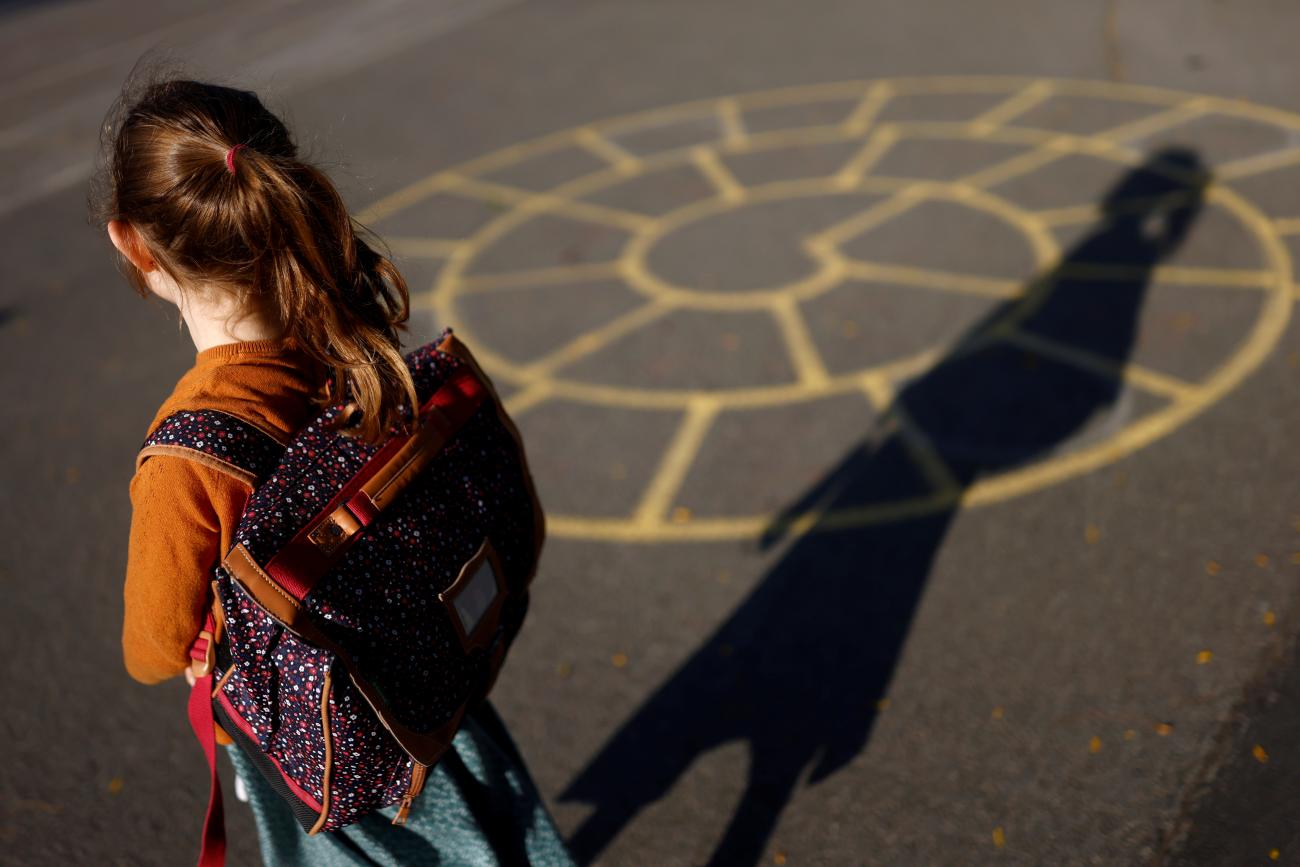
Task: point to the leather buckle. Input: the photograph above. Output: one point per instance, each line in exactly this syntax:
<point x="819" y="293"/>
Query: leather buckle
<point x="328" y="536"/>
<point x="203" y="654"/>
<point x="334" y="530"/>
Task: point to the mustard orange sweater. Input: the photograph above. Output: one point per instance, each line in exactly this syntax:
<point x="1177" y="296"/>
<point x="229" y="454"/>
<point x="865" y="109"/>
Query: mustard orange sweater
<point x="184" y="514"/>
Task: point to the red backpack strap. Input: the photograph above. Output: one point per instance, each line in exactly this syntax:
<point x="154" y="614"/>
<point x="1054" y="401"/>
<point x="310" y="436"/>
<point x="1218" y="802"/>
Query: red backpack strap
<point x="202" y="721"/>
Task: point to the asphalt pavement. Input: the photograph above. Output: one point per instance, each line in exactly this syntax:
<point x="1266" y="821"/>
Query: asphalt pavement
<point x="910" y="387"/>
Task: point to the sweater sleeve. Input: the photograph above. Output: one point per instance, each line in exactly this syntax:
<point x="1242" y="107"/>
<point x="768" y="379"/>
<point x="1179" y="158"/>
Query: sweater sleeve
<point x="182" y="514"/>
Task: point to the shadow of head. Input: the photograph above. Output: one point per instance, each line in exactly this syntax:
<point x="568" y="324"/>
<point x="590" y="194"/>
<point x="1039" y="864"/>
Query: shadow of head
<point x="1158" y="201"/>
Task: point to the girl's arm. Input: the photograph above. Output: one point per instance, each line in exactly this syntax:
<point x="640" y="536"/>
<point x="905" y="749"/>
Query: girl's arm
<point x="183" y="514"/>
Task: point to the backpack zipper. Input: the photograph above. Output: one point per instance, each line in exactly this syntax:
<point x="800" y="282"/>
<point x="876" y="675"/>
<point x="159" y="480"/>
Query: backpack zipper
<point x="418" y="773"/>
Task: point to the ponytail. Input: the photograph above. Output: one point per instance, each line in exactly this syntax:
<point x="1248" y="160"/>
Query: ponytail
<point x="213" y="183"/>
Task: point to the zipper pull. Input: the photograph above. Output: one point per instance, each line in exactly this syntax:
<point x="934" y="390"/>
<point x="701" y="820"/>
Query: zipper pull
<point x="404" y="810"/>
<point x="418" y="773"/>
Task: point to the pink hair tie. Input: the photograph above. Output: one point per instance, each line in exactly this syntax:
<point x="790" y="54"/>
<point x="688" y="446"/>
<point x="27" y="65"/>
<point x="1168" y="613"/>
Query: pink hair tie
<point x="230" y="157"/>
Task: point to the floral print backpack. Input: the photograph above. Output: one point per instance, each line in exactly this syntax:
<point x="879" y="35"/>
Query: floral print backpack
<point x="369" y="597"/>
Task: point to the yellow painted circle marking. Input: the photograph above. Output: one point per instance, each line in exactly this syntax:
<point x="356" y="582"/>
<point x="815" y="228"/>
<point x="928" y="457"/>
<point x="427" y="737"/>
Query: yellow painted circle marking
<point x="658" y="517"/>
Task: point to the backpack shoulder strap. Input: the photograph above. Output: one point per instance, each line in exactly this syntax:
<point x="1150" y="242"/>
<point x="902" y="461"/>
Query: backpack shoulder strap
<point x="216" y="439"/>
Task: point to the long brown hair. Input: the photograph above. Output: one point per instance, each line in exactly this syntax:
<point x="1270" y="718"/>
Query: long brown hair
<point x="263" y="225"/>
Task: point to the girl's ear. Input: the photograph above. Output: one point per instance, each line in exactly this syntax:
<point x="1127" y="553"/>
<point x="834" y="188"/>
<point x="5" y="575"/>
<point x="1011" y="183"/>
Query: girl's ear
<point x="127" y="241"/>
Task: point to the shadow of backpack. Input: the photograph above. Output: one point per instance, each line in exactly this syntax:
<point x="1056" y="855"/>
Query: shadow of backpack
<point x="369" y="597"/>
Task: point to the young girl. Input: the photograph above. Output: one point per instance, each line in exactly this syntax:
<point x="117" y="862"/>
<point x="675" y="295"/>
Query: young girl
<point x="206" y="200"/>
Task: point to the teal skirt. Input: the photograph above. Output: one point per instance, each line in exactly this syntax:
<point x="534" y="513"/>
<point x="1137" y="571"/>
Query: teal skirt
<point x="479" y="807"/>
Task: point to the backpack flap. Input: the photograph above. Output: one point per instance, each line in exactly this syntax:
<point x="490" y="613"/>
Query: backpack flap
<point x="402" y="570"/>
<point x="291" y="575"/>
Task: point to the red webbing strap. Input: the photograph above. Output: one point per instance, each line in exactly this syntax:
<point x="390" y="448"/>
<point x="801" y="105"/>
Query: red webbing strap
<point x="213" y="852"/>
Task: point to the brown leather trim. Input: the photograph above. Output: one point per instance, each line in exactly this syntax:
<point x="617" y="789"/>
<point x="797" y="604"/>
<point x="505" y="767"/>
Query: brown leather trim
<point x="280" y="605"/>
<point x="453" y="346"/>
<point x="221" y="684"/>
<point x="196" y="456"/>
<point x="487" y="625"/>
<point x="419" y="773"/>
<point x="329" y="753"/>
<point x="413" y="457"/>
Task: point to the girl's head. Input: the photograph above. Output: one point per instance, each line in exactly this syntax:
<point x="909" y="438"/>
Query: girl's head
<point x="203" y="193"/>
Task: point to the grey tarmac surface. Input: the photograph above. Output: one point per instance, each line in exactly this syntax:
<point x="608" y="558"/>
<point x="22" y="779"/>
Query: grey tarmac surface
<point x="1078" y="670"/>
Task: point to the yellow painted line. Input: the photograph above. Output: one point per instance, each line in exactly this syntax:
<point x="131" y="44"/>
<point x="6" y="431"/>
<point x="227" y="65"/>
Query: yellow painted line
<point x="429" y="248"/>
<point x="923" y="453"/>
<point x="1287" y="225"/>
<point x="596" y="339"/>
<point x="625" y="531"/>
<point x="776" y="139"/>
<point x="676" y="462"/>
<point x="1152" y="124"/>
<point x="404" y="198"/>
<point x="1149" y="380"/>
<point x="960" y="130"/>
<point x="858" y="165"/>
<point x="799" y="94"/>
<point x="1018" y="165"/>
<point x="1072" y="215"/>
<point x="531" y="277"/>
<point x="930" y="278"/>
<point x="732" y="121"/>
<point x="743" y="527"/>
<point x="593" y="213"/>
<point x="529" y="200"/>
<point x="1257" y="164"/>
<point x="1091" y="211"/>
<point x="879" y="390"/>
<point x="1011" y="108"/>
<point x="522" y="401"/>
<point x="1232" y="278"/>
<point x="715" y="171"/>
<point x="799" y="342"/>
<point x="869" y="218"/>
<point x="493" y="192"/>
<point x="865" y="112"/>
<point x="595" y="143"/>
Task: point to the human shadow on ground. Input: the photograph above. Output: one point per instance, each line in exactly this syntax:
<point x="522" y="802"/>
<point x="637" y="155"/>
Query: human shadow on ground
<point x="797" y="670"/>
